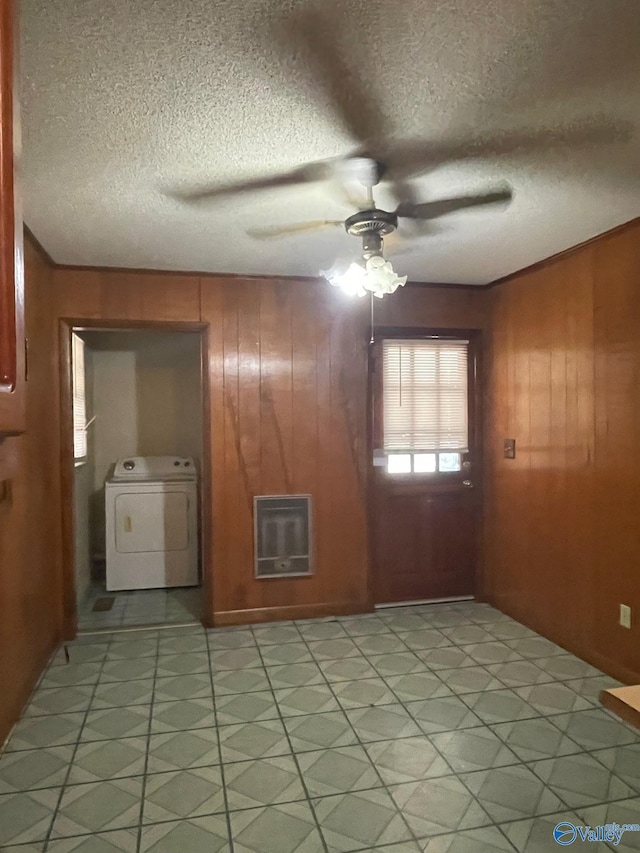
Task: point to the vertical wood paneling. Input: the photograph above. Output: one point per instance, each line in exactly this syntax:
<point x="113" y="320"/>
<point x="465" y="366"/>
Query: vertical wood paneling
<point x="579" y="449"/>
<point x="323" y="499"/>
<point x="348" y="442"/>
<point x="304" y="389"/>
<point x="276" y="387"/>
<point x="249" y="416"/>
<point x="212" y="307"/>
<point x="617" y="462"/>
<point x="234" y="519"/>
<point x="562" y="533"/>
<point x="30" y="585"/>
<point x="495" y="486"/>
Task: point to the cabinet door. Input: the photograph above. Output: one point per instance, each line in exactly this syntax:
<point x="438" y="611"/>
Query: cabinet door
<point x="12" y="347"/>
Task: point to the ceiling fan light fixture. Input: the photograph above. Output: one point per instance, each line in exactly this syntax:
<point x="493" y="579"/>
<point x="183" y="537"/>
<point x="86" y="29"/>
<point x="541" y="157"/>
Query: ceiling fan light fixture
<point x="350" y="278"/>
<point x="373" y="275"/>
<point x="381" y="276"/>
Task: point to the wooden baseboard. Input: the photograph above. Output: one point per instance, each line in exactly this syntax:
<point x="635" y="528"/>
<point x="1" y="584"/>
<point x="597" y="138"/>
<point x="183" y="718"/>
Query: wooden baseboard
<point x="611" y="667"/>
<point x="294" y="611"/>
<point x="608" y="665"/>
<point x="624" y="702"/>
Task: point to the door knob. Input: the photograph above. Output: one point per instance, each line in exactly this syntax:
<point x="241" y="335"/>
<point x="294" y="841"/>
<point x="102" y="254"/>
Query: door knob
<point x="467" y="484"/>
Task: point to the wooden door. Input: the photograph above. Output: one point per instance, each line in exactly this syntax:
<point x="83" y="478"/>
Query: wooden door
<point x="12" y="347"/>
<point x="425" y="524"/>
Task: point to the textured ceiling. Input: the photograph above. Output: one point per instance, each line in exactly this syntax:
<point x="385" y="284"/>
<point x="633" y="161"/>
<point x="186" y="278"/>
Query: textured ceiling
<point x="126" y="102"/>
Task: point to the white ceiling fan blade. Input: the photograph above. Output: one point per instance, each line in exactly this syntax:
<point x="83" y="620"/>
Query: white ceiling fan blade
<point x="296" y="228"/>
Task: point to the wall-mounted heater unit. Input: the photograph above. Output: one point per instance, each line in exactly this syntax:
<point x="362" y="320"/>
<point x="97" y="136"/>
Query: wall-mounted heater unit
<point x="282" y="535"/>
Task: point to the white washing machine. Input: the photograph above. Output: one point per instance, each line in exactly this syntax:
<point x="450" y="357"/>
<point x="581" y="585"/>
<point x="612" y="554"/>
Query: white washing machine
<point x="152" y="523"/>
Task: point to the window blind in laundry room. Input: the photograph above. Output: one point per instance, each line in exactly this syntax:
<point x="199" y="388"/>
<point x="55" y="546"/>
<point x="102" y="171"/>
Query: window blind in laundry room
<point x="79" y="398"/>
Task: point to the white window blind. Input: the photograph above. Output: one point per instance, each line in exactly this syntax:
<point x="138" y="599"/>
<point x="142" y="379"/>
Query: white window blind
<point x="79" y="399"/>
<point x="425" y="395"/>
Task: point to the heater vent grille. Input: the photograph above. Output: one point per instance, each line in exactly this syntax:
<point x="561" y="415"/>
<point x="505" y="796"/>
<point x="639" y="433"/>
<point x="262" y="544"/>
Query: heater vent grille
<point x="282" y="534"/>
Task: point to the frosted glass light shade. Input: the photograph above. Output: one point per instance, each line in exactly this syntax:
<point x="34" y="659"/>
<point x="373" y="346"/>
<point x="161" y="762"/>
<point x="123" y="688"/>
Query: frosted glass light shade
<point x="375" y="276"/>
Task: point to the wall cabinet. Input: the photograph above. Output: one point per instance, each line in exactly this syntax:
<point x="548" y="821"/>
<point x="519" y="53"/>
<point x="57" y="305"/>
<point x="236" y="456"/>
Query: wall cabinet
<point x="12" y="344"/>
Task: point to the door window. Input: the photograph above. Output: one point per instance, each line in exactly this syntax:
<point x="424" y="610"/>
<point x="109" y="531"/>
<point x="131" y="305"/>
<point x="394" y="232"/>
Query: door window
<point x="425" y="405"/>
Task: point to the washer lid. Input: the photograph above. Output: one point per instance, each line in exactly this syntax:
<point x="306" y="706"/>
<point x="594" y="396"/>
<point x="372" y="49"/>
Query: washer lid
<point x="145" y="468"/>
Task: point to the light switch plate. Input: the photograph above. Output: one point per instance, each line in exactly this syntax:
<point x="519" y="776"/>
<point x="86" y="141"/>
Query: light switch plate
<point x="509" y="448"/>
<point x="625" y="616"/>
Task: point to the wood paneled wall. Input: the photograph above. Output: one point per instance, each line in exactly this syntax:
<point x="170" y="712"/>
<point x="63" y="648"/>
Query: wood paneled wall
<point x="30" y="585"/>
<point x="287" y="381"/>
<point x="562" y="531"/>
<point x="288" y="414"/>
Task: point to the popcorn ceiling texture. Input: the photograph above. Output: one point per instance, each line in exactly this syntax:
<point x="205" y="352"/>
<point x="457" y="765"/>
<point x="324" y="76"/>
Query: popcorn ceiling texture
<point x="123" y="99"/>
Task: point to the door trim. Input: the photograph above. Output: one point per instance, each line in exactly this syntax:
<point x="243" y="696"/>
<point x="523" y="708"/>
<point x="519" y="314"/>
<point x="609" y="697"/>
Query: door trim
<point x="476" y="418"/>
<point x="66" y="326"/>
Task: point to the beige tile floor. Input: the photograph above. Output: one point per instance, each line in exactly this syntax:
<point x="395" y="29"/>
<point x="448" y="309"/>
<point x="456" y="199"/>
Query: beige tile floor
<point x="441" y="728"/>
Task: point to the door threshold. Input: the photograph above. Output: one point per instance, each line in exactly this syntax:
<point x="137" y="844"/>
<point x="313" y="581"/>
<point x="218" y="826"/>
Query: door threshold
<point x="131" y="629"/>
<point x="420" y="601"/>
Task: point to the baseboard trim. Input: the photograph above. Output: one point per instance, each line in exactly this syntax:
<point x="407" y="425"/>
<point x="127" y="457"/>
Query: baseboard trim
<point x="223" y="618"/>
<point x="606" y="664"/>
<point x="611" y="667"/>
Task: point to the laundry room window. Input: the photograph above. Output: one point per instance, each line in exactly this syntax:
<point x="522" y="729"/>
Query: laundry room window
<point x="79" y="400"/>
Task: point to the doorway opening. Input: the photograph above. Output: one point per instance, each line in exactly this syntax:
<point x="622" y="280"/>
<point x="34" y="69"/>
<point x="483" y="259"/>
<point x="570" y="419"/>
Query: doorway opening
<point x="136" y="476"/>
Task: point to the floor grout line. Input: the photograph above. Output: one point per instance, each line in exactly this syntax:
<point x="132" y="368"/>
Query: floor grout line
<point x="222" y="773"/>
<point x="73" y="756"/>
<point x="148" y="739"/>
<point x="295" y="759"/>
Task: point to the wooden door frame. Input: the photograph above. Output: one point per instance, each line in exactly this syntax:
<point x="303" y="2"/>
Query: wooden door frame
<point x="66" y="327"/>
<point x="476" y="417"/>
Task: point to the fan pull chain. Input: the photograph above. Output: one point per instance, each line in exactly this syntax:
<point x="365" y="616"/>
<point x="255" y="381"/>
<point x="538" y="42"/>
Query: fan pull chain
<point x="372" y="339"/>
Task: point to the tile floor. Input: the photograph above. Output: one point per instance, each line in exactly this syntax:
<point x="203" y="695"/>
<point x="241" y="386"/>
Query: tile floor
<point x="446" y="729"/>
<point x="140" y="607"/>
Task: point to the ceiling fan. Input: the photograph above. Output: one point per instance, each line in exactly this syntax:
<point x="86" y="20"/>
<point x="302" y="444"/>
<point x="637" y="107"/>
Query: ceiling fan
<point x="378" y="157"/>
<point x="372" y="225"/>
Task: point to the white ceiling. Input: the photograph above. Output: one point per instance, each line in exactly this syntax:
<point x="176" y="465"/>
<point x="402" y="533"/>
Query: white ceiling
<point x="125" y="101"/>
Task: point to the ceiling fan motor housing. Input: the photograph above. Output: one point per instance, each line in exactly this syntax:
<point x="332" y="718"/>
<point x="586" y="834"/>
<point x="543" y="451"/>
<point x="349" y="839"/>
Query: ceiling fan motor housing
<point x="371" y="225"/>
<point x="375" y="220"/>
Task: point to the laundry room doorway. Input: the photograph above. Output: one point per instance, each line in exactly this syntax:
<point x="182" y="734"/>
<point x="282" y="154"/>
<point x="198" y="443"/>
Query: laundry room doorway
<point x="135" y="475"/>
